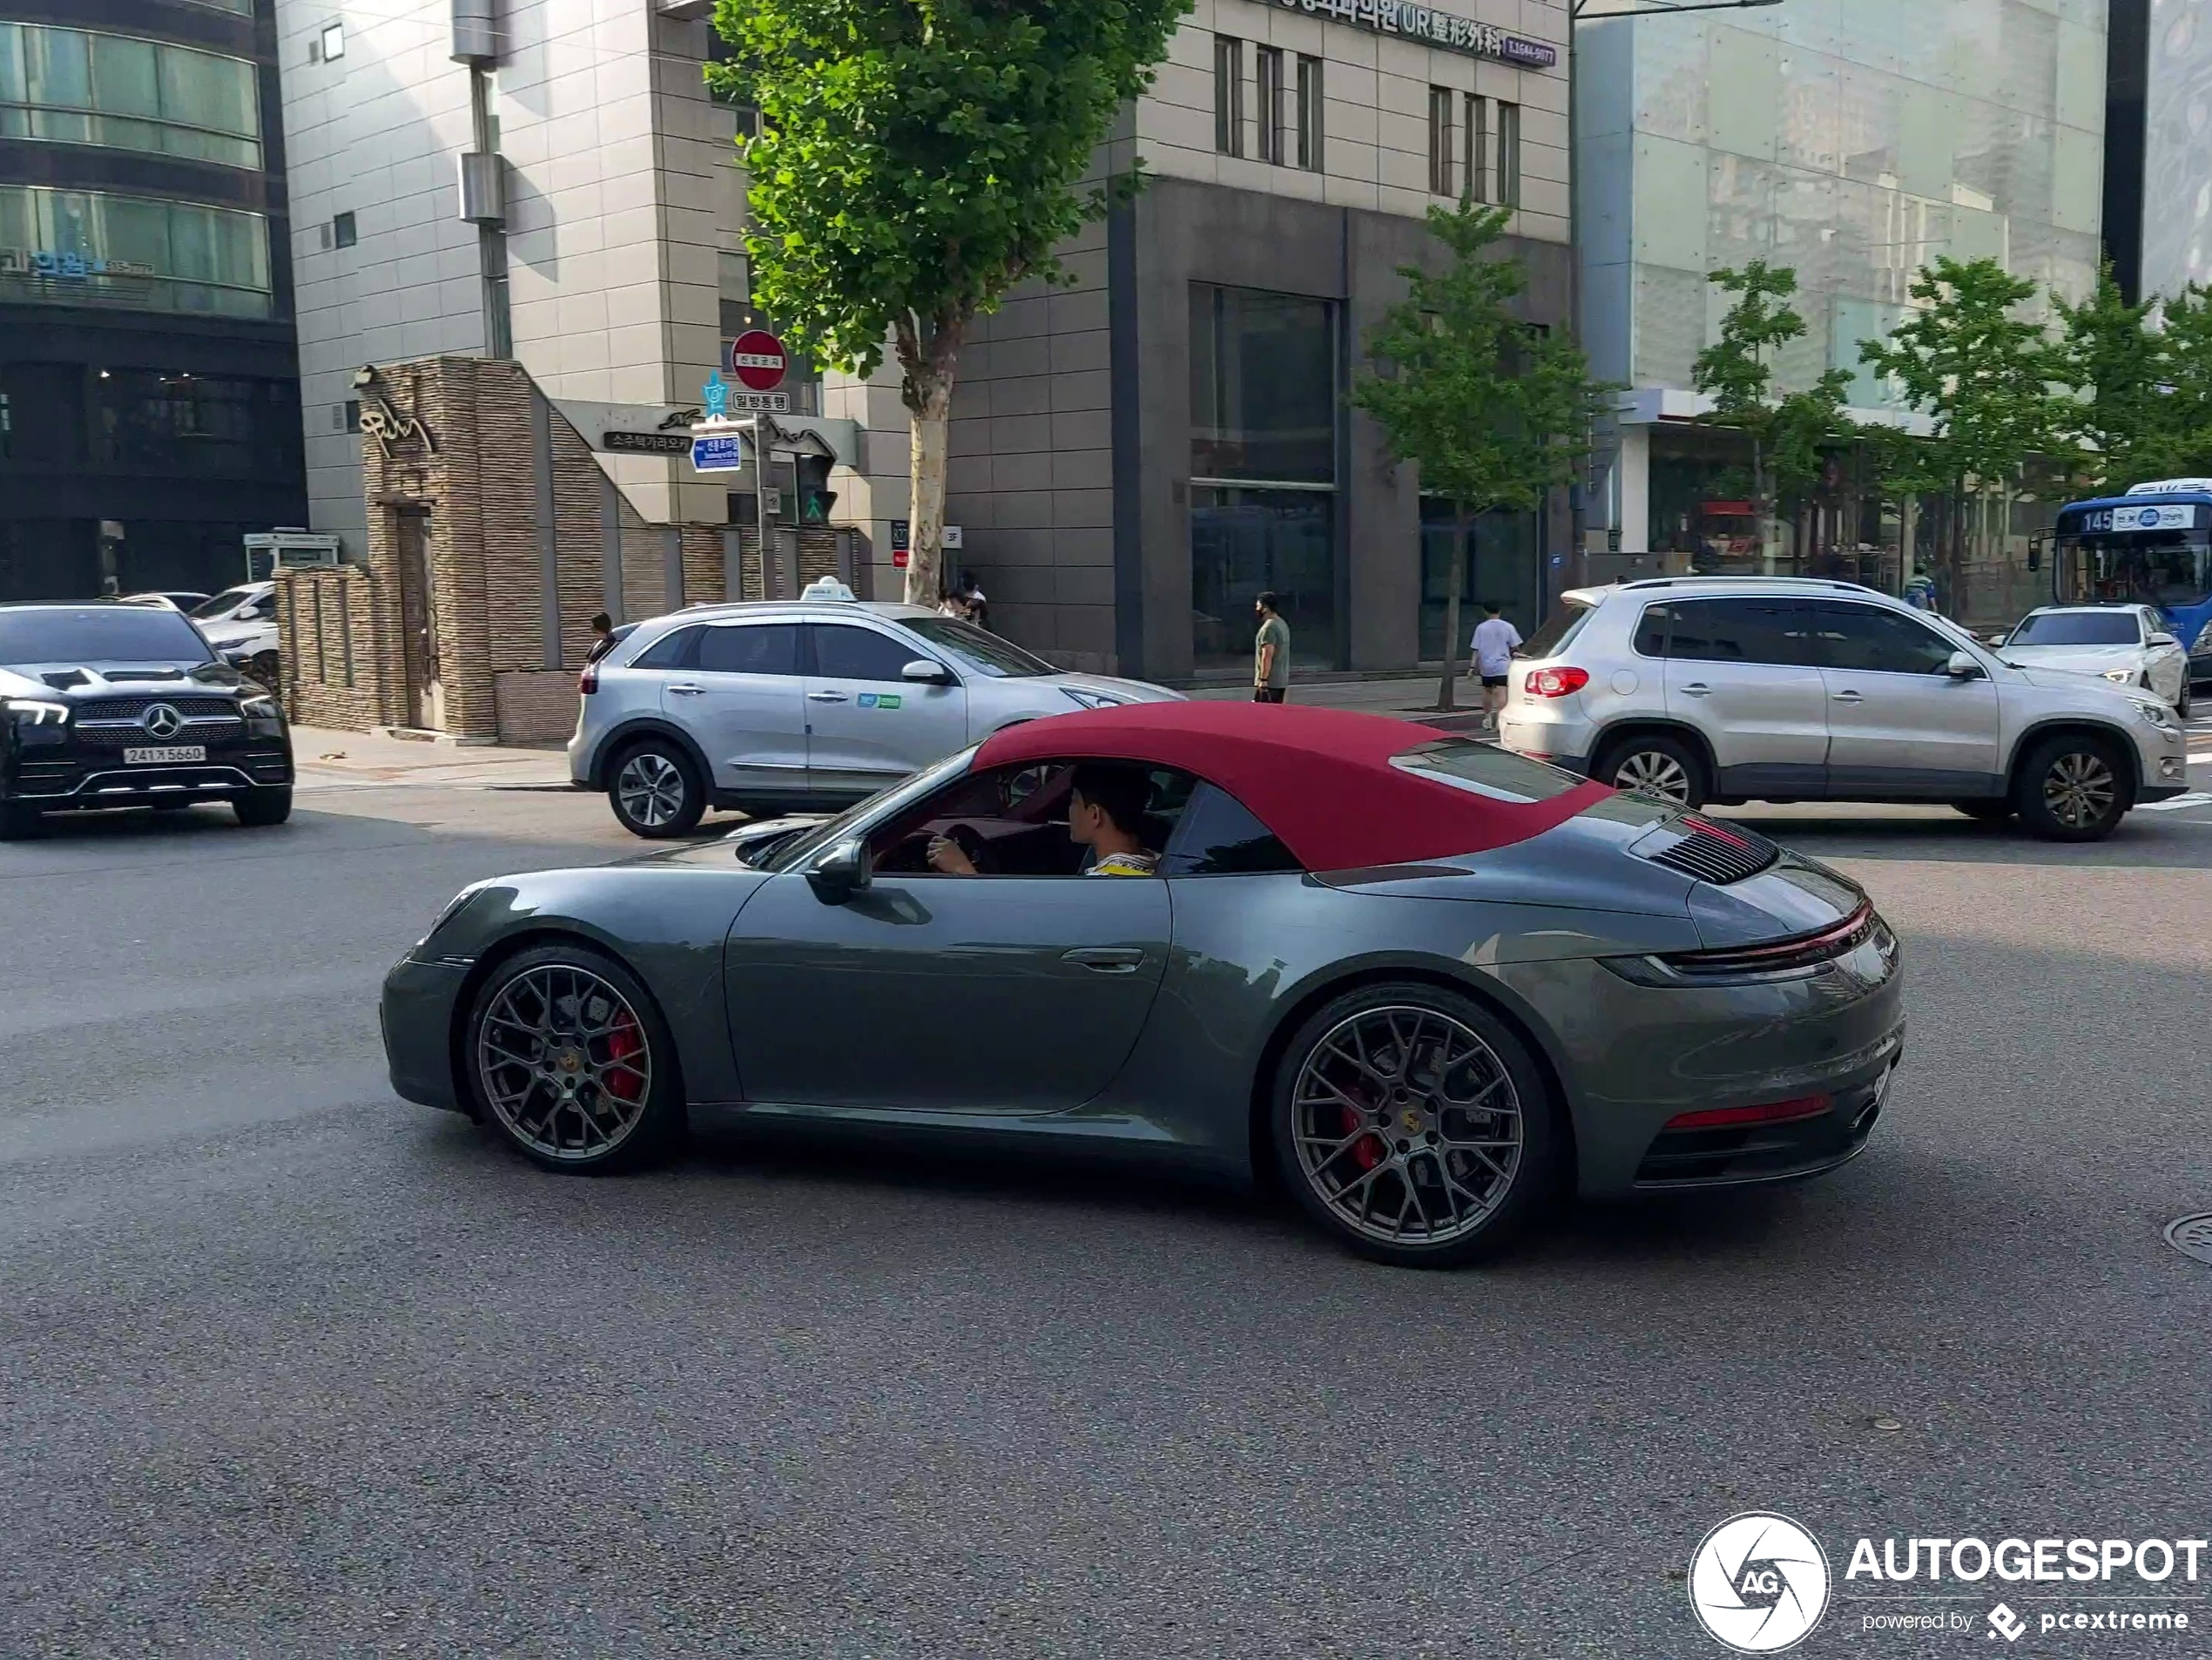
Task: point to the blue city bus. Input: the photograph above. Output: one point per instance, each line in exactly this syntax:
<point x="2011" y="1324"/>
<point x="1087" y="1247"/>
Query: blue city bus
<point x="2152" y="546"/>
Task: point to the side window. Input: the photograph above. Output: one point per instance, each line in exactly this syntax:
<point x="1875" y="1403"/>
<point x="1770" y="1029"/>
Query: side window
<point x="1742" y="630"/>
<point x="1872" y="641"/>
<point x="750" y="648"/>
<point x="1217" y="835"/>
<point x="1651" y="631"/>
<point x="264" y="606"/>
<point x="843" y="652"/>
<point x="674" y="650"/>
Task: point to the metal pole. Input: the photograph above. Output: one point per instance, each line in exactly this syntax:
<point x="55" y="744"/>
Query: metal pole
<point x="768" y="585"/>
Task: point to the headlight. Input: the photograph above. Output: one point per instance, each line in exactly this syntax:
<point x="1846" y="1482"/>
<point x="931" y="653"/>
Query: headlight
<point x="2157" y="714"/>
<point x="447" y="915"/>
<point x="2121" y="677"/>
<point x="37" y="712"/>
<point x="261" y="708"/>
<point x="1085" y="698"/>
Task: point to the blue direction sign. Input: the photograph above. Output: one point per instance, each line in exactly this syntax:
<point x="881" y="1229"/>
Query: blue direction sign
<point x="718" y="452"/>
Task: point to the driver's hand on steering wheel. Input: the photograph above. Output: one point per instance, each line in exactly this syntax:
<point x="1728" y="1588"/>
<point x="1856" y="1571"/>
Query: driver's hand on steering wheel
<point x="946" y="859"/>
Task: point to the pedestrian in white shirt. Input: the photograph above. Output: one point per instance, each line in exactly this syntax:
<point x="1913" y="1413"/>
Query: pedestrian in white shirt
<point x="1495" y="640"/>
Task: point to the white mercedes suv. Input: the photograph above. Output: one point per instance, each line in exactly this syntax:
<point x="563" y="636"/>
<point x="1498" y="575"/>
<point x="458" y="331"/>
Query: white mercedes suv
<point x="1775" y="689"/>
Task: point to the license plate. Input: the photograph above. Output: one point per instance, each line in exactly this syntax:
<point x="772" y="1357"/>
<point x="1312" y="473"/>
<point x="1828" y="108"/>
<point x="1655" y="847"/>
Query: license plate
<point x="164" y="754"/>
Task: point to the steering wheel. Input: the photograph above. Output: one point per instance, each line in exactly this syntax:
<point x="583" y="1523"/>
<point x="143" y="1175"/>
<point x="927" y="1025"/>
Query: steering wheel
<point x="970" y="841"/>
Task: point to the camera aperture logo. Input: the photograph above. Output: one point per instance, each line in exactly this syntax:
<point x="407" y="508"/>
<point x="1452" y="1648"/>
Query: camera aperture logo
<point x="1758" y="1584"/>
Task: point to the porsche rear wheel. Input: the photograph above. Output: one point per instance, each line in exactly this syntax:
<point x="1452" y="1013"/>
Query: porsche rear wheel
<point x="1413" y="1125"/>
<point x="570" y="1060"/>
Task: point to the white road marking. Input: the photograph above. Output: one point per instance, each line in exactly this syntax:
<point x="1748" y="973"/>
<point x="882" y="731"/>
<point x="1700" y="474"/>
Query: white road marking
<point x="2193" y="799"/>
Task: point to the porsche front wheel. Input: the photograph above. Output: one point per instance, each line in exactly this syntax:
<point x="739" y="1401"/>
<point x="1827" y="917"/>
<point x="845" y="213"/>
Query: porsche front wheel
<point x="570" y="1060"/>
<point x="1413" y="1125"/>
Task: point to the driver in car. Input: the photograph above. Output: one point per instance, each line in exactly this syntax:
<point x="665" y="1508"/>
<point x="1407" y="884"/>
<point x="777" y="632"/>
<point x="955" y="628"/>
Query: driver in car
<point x="1105" y="812"/>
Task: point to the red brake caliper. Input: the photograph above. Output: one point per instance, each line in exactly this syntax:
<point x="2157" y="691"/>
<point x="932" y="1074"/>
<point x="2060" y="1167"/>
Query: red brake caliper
<point x="1367" y="1151"/>
<point x="623" y="1043"/>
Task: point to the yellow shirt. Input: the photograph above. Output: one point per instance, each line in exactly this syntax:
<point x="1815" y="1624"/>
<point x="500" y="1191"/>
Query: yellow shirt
<point x="1126" y="864"/>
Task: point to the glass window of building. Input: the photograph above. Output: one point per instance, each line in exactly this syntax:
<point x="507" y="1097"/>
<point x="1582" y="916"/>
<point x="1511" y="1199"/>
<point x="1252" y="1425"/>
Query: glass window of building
<point x="1504" y="566"/>
<point x="90" y="249"/>
<point x="1229" y="95"/>
<point x="75" y="86"/>
<point x="1508" y="148"/>
<point x="1440" y="140"/>
<point x="1274" y="126"/>
<point x="147" y="421"/>
<point x="1264" y="412"/>
<point x="1476" y="148"/>
<point x="1309" y="113"/>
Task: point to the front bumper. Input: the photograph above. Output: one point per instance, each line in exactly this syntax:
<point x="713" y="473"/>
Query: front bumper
<point x="417" y="1017"/>
<point x="80" y="777"/>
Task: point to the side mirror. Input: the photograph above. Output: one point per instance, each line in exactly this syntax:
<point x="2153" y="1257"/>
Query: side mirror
<point x="2165" y="639"/>
<point x="841" y="872"/>
<point x="1998" y="639"/>
<point x="929" y="674"/>
<point x="1962" y="666"/>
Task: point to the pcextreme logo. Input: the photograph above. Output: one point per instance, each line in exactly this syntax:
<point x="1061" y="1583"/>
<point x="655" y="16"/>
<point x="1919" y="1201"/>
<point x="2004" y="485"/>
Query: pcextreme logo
<point x="1758" y="1584"/>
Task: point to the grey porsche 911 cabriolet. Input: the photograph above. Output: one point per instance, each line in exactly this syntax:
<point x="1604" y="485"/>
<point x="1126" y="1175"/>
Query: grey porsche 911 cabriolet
<point x="1422" y="981"/>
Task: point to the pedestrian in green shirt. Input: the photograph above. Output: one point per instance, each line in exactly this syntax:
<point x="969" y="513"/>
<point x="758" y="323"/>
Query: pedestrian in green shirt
<point x="1271" y="653"/>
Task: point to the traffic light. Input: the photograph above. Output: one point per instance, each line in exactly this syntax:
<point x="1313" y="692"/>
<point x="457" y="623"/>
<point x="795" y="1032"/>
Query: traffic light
<point x="815" y="496"/>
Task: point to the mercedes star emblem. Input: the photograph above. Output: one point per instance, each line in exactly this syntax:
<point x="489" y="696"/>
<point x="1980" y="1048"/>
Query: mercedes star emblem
<point x="161" y="721"/>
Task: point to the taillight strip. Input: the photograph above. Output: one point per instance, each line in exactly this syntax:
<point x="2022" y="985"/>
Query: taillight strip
<point x="1831" y="941"/>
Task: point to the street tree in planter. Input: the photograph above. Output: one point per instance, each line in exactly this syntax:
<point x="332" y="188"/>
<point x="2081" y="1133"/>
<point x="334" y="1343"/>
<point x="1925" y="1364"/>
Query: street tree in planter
<point x="1492" y="412"/>
<point x="1987" y="376"/>
<point x="2116" y="365"/>
<point x="916" y="159"/>
<point x="1788" y="434"/>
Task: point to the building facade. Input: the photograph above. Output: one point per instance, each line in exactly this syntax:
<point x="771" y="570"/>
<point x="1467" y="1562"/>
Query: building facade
<point x="1855" y="143"/>
<point x="2174" y="228"/>
<point x="149" y="409"/>
<point x="1135" y="455"/>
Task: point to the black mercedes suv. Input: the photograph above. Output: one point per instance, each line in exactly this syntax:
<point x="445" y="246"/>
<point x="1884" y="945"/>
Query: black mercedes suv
<point x="107" y="705"/>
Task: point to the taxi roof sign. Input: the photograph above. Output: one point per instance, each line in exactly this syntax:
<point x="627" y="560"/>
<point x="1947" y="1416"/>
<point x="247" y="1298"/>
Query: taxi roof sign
<point x="829" y="588"/>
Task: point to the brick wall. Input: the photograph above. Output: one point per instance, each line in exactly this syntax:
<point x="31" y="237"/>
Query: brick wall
<point x="471" y="469"/>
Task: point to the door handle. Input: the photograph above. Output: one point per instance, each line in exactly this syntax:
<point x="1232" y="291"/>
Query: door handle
<point x="1846" y="696"/>
<point x="1106" y="959"/>
<point x="826" y="696"/>
<point x="687" y="691"/>
<point x="1697" y="689"/>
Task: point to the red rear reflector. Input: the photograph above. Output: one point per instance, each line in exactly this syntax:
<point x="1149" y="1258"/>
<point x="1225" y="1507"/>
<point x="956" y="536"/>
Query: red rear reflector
<point x="1774" y="1112"/>
<point x="587" y="682"/>
<point x="1555" y="683"/>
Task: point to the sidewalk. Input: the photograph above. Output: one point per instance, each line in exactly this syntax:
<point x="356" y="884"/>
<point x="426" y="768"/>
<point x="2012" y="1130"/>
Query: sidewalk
<point x="1399" y="697"/>
<point x="338" y="760"/>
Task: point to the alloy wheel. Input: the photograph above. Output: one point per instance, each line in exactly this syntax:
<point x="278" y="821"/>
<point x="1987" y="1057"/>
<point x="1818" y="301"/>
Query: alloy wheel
<point x="1407" y="1126"/>
<point x="2080" y="789"/>
<point x="651" y="788"/>
<point x="1654" y="773"/>
<point x="564" y="1062"/>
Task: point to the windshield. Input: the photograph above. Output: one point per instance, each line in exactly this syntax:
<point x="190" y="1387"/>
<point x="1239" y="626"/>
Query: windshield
<point x="2169" y="569"/>
<point x="229" y="600"/>
<point x="796" y="851"/>
<point x="100" y="634"/>
<point x="985" y="653"/>
<point x="2077" y="628"/>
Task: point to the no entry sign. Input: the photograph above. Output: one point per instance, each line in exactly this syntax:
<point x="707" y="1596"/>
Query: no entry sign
<point x="757" y="359"/>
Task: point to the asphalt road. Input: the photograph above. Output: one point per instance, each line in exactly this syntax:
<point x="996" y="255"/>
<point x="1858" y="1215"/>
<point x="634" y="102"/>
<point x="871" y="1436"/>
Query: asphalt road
<point x="289" y="1367"/>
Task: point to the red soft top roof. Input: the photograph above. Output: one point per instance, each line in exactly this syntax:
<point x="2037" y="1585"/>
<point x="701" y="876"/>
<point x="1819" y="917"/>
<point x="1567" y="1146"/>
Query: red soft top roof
<point x="1320" y="778"/>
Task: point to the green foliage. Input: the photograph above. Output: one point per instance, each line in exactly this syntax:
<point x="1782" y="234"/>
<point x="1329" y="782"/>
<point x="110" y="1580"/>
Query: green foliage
<point x="2178" y="443"/>
<point x="1984" y="374"/>
<point x="1492" y="412"/>
<point x="917" y="160"/>
<point x="1790" y="434"/>
<point x="2115" y="365"/>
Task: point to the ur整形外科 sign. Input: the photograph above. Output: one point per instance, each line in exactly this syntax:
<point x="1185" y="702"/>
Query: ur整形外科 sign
<point x="1433" y="27"/>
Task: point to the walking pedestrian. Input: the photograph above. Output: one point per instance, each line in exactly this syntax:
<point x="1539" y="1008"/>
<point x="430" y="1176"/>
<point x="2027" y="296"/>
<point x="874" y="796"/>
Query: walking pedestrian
<point x="1270" y="651"/>
<point x="603" y="638"/>
<point x="979" y="605"/>
<point x="1495" y="641"/>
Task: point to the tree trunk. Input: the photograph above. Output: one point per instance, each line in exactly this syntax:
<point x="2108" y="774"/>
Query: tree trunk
<point x="926" y="388"/>
<point x="1908" y="537"/>
<point x="1450" y="685"/>
<point x="1763" y="504"/>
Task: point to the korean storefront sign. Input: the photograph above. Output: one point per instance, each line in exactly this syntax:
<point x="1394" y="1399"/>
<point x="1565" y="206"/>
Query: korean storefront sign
<point x="1433" y="27"/>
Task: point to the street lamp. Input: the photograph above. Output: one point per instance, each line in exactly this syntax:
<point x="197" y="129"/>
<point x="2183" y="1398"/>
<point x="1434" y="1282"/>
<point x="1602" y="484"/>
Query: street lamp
<point x="1579" y="11"/>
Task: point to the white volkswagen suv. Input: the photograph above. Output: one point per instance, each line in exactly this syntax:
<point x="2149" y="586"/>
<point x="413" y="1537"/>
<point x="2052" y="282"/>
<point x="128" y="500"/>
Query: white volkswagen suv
<point x="1726" y="689"/>
<point x="811" y="704"/>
